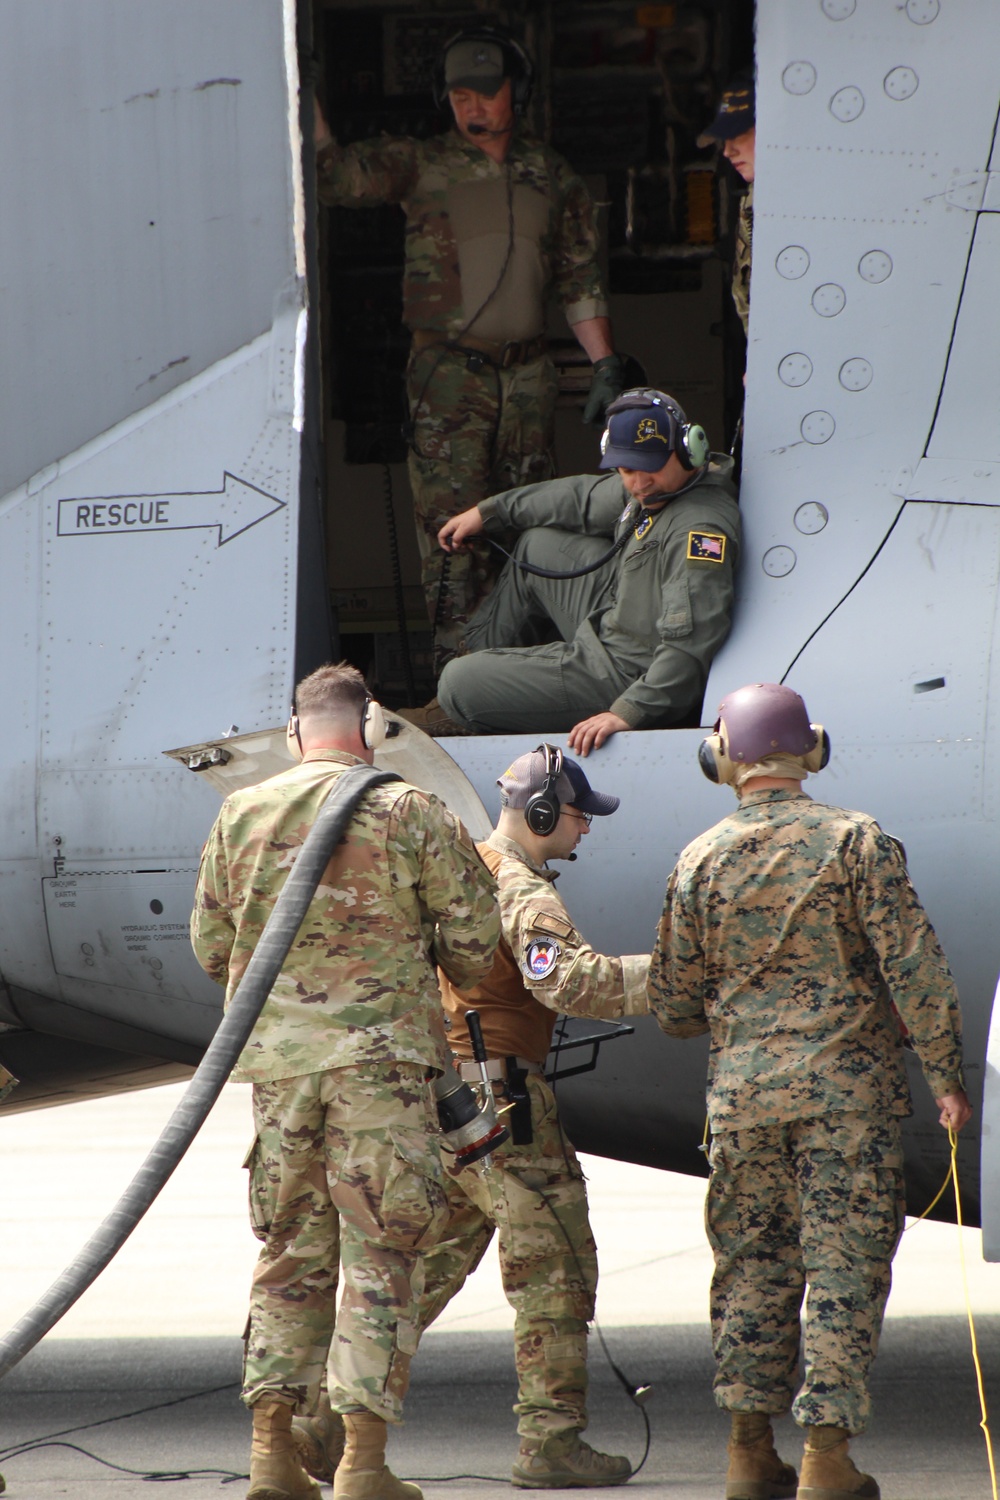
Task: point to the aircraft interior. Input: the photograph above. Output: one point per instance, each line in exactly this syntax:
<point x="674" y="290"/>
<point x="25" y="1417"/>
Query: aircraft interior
<point x="622" y="91"/>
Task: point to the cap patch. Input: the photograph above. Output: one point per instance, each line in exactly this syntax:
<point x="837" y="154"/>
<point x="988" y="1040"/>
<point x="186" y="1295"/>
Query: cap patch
<point x="648" y="431"/>
<point x="706" y="546"/>
<point x="540" y="958"/>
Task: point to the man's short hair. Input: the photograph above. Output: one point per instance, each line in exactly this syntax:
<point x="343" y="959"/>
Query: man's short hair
<point x="331" y="691"/>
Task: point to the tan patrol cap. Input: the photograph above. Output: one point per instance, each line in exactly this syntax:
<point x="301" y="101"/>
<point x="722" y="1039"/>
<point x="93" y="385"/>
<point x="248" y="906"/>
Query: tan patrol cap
<point x="476" y="65"/>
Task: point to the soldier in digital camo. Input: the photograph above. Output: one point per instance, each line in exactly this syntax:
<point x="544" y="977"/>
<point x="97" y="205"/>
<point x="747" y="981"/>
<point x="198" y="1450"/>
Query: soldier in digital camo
<point x="734" y="129"/>
<point x="340" y="1062"/>
<point x="790" y="931"/>
<point x="494" y="222"/>
<point x="537" y="1198"/>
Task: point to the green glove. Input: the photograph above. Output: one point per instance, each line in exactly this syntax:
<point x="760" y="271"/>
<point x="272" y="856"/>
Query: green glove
<point x="608" y="382"/>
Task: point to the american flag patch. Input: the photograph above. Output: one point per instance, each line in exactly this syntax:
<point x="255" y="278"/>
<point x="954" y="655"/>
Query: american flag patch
<point x="706" y="546"/>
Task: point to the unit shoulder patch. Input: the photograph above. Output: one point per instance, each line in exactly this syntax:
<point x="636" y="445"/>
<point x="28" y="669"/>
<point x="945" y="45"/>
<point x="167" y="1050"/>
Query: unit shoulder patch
<point x="551" y="922"/>
<point x="540" y="957"/>
<point x="706" y="546"/>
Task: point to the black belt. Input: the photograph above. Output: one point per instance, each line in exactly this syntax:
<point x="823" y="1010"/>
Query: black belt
<point x="513" y="352"/>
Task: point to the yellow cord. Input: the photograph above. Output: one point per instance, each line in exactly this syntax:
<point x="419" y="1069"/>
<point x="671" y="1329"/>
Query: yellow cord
<point x="984" y="1422"/>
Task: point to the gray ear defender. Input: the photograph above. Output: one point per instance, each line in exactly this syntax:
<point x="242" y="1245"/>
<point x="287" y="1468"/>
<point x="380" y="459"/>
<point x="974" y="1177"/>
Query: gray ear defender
<point x="693" y="447"/>
<point x="373" y="725"/>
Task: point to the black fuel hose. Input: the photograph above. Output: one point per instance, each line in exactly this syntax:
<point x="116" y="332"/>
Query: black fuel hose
<point x="212" y="1072"/>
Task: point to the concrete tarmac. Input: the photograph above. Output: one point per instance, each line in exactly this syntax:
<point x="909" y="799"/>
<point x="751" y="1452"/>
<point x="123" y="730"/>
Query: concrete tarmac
<point x="170" y="1406"/>
<point x="144" y="1371"/>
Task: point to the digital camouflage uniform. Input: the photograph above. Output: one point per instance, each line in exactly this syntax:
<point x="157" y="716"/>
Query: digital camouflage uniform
<point x="536" y="1195"/>
<point x="485" y="244"/>
<point x="339" y="1060"/>
<point x="742" y="259"/>
<point x="638" y="634"/>
<point x="789" y="931"/>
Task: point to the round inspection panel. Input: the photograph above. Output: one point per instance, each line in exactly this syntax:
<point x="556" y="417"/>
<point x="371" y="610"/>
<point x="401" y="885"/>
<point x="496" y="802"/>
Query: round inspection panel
<point x="856" y="374"/>
<point x="811" y="517"/>
<point x="829" y="299"/>
<point x="778" y="562"/>
<point x="818" y="427"/>
<point x="901" y="83"/>
<point x="838" y="10"/>
<point x="795" y="369"/>
<point x="847" y="104"/>
<point x="923" y="12"/>
<point x="799" y="78"/>
<point x="792" y="262"/>
<point x="875" y="266"/>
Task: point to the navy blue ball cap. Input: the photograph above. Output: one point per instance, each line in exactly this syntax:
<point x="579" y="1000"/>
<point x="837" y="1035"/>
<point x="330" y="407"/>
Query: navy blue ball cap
<point x="585" y="799"/>
<point x="640" y="437"/>
<point x="735" y="116"/>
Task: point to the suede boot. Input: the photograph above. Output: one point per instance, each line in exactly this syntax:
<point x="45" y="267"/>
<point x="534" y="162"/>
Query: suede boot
<point x="755" y="1471"/>
<point x="362" y="1473"/>
<point x="432" y="719"/>
<point x="319" y="1440"/>
<point x="275" y="1471"/>
<point x="827" y="1471"/>
<point x="564" y="1461"/>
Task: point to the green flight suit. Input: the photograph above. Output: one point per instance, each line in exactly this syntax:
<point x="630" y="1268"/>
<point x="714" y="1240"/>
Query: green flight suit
<point x="638" y="633"/>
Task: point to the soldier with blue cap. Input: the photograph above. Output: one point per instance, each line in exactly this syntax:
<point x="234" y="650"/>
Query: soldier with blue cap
<point x="625" y="577"/>
<point x="734" y="130"/>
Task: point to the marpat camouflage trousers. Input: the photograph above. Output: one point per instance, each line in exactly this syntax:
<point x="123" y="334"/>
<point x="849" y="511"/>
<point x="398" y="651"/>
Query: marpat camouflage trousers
<point x="537" y="1198"/>
<point x="475" y="433"/>
<point x="814" y="1204"/>
<point x="360" y="1145"/>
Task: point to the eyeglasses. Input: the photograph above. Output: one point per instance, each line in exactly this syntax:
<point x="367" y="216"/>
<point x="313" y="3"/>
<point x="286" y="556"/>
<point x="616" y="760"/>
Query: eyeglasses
<point x="587" y="818"/>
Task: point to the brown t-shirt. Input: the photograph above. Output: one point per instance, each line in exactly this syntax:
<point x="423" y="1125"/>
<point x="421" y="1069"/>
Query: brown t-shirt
<point x="541" y="967"/>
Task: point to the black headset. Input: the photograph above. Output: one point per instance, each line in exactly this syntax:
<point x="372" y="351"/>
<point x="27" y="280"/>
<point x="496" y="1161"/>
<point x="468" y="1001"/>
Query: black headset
<point x="518" y="66"/>
<point x="688" y="440"/>
<point x="542" y="809"/>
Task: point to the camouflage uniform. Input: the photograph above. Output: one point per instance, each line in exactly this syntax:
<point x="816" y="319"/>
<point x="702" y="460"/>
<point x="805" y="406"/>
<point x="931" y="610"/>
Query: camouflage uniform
<point x="536" y="1195"/>
<point x="8" y="1083"/>
<point x="638" y="633"/>
<point x="789" y="931"/>
<point x="485" y="242"/>
<point x="742" y="259"/>
<point x="339" y="1061"/>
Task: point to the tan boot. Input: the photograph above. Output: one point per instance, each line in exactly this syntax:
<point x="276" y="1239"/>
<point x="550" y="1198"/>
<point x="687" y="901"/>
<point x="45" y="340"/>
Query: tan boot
<point x="565" y="1462"/>
<point x="755" y="1471"/>
<point x="432" y="719"/>
<point x="275" y="1471"/>
<point x="362" y="1472"/>
<point x="827" y="1471"/>
<point x="319" y="1440"/>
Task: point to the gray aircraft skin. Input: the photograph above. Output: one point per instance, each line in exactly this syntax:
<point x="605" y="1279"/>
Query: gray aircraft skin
<point x="161" y="583"/>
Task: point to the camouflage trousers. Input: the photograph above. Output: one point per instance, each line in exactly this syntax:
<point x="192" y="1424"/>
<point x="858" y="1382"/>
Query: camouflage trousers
<point x="358" y="1146"/>
<point x="814" y="1204"/>
<point x="475" y="433"/>
<point x="536" y="1197"/>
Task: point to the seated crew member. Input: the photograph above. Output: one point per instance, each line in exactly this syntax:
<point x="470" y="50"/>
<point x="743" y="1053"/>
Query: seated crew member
<point x="495" y="221"/>
<point x="641" y="625"/>
<point x="547" y="1253"/>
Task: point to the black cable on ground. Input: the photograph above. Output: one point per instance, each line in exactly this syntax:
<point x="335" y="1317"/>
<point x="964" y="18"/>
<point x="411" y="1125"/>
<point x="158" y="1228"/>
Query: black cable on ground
<point x="213" y="1070"/>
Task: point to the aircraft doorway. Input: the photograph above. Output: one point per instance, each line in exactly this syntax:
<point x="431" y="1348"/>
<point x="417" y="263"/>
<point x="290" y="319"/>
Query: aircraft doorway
<point x="622" y="91"/>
